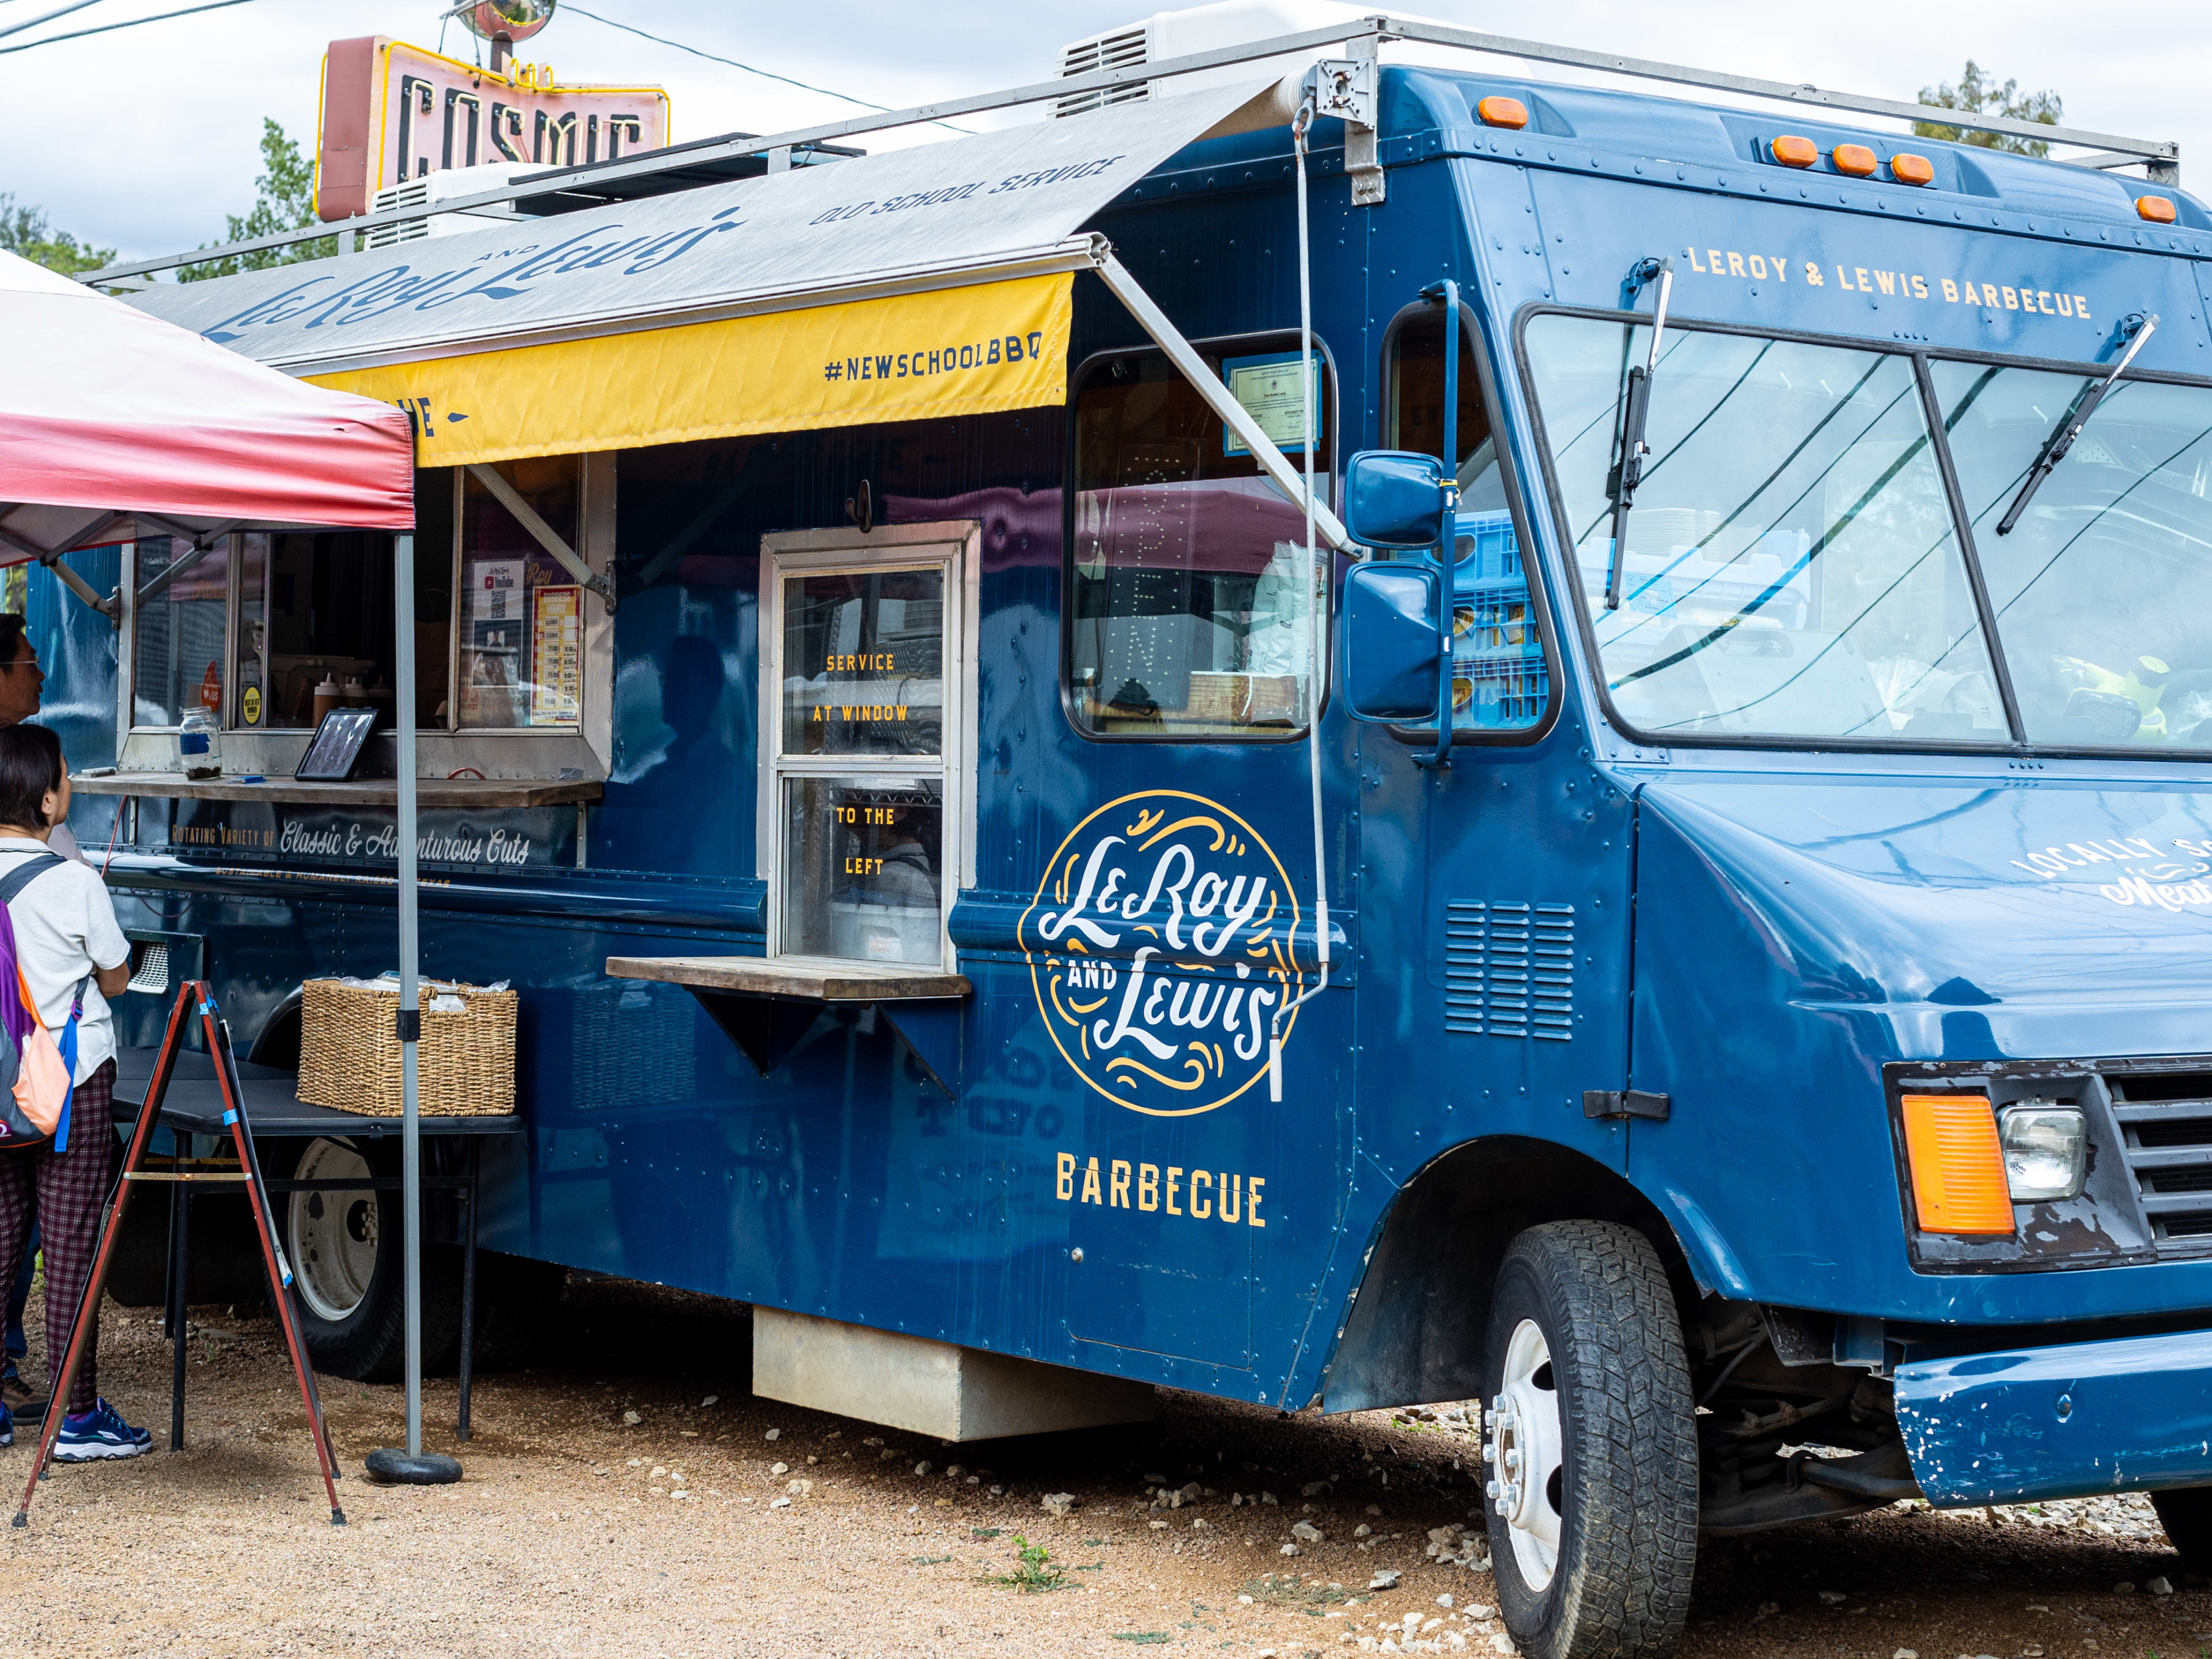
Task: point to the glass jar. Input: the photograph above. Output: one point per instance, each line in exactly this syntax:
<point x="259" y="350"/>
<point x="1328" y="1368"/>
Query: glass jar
<point x="199" y="744"/>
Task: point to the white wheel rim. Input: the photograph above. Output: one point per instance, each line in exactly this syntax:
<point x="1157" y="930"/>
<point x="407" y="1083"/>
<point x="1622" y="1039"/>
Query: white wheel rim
<point x="1527" y="1453"/>
<point x="333" y="1234"/>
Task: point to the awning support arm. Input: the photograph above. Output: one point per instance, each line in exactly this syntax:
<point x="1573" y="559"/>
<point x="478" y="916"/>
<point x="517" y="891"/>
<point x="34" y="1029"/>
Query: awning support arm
<point x="526" y="516"/>
<point x="1208" y="386"/>
<point x="69" y="577"/>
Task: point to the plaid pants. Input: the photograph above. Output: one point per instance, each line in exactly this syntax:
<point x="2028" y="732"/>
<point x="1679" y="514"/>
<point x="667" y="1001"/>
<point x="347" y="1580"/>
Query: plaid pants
<point x="71" y="1186"/>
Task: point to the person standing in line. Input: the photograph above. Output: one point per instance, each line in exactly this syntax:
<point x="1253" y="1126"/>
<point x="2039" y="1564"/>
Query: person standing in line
<point x="22" y="685"/>
<point x="73" y="957"/>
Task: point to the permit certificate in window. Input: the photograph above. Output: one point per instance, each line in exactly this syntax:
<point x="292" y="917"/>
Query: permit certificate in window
<point x="1267" y="387"/>
<point x="556" y="655"/>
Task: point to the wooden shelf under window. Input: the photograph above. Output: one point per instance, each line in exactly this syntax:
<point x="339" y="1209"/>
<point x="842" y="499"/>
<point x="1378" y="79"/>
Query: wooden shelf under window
<point x="430" y="793"/>
<point x="816" y="982"/>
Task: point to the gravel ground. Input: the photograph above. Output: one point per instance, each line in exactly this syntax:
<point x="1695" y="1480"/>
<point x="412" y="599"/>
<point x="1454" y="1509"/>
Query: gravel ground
<point x="714" y="1523"/>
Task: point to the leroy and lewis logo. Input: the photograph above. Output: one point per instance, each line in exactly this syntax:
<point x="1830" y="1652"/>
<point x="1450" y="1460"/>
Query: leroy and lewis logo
<point x="502" y="274"/>
<point x="1159" y="944"/>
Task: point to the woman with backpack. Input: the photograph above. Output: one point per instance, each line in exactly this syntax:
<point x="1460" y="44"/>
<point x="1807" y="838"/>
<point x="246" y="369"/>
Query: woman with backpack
<point x="70" y="957"/>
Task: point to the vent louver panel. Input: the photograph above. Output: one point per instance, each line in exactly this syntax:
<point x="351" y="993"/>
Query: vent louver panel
<point x="2165" y="1122"/>
<point x="1510" y="969"/>
<point x="1125" y="48"/>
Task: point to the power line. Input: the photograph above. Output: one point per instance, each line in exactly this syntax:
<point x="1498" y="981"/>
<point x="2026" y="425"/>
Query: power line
<point x="578" y="11"/>
<point x="104" y="29"/>
<point x="48" y="17"/>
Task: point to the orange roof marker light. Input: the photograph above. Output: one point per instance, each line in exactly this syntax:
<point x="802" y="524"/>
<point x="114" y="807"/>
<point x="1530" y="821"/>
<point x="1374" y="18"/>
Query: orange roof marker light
<point x="1909" y="169"/>
<point x="1959" y="1183"/>
<point x="1795" y="152"/>
<point x="2159" y="209"/>
<point x="1498" y="111"/>
<point x="1856" y="159"/>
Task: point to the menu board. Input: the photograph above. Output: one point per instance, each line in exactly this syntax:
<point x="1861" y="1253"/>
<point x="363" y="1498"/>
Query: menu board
<point x="556" y="655"/>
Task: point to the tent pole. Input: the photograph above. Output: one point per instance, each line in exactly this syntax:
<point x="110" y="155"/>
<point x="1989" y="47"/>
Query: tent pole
<point x="410" y="1171"/>
<point x="411" y="1467"/>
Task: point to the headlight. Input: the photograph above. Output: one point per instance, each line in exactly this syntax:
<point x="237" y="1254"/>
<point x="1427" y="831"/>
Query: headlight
<point x="2045" y="1150"/>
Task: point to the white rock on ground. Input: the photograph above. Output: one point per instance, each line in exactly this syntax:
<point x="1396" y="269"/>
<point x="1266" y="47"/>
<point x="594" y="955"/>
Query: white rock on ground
<point x="1057" y="1503"/>
<point x="1305" y="1532"/>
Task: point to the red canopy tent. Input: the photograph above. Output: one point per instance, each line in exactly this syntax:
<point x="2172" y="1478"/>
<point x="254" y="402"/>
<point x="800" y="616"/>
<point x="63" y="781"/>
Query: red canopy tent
<point x="114" y="424"/>
<point x="107" y="414"/>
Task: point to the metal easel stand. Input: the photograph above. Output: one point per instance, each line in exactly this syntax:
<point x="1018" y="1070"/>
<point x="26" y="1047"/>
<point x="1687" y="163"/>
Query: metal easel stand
<point x="195" y="998"/>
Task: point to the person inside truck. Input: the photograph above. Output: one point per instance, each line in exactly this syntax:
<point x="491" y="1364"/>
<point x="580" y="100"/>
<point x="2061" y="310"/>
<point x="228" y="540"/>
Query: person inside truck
<point x="73" y="957"/>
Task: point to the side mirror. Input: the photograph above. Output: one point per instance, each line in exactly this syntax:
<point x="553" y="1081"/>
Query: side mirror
<point x="1391" y="647"/>
<point x="1396" y="499"/>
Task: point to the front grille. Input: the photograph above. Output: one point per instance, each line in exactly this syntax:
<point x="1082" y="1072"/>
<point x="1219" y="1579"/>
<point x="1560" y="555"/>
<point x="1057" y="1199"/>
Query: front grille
<point x="2166" y="1130"/>
<point x="1510" y="969"/>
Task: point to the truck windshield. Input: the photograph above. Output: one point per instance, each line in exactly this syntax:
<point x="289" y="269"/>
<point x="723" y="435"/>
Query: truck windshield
<point x="2102" y="591"/>
<point x="1791" y="568"/>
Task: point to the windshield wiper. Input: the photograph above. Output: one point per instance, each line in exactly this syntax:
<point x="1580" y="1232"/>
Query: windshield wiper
<point x="2136" y="330"/>
<point x="1628" y="472"/>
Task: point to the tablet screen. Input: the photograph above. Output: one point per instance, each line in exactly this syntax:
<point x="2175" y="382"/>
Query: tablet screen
<point x="336" y="750"/>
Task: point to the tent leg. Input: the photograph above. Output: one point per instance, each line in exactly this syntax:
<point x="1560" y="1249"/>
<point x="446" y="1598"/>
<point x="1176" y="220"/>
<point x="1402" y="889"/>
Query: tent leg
<point x="410" y="1467"/>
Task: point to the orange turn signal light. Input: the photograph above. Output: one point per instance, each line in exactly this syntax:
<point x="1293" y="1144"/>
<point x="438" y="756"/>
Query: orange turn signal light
<point x="1909" y="169"/>
<point x="2159" y="209"/>
<point x="1856" y="159"/>
<point x="1959" y="1183"/>
<point x="1795" y="152"/>
<point x="1497" y="111"/>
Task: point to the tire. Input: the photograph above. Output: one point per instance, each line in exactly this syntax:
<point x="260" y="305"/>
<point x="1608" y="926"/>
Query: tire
<point x="350" y="1275"/>
<point x="2187" y="1517"/>
<point x="1592" y="1446"/>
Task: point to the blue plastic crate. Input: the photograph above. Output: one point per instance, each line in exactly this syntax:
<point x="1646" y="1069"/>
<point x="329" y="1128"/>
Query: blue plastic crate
<point x="1496" y="552"/>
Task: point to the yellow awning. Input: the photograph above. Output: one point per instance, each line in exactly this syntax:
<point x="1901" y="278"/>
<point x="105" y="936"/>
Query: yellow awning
<point x="971" y="350"/>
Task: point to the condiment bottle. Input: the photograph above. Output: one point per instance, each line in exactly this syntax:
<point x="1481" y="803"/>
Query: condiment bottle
<point x="326" y="696"/>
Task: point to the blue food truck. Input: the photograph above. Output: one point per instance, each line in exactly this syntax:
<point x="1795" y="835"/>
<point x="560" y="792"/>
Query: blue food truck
<point x="1715" y="966"/>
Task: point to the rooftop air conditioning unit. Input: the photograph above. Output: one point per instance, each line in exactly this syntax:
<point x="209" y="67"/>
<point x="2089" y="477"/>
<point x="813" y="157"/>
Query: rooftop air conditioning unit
<point x="1168" y="34"/>
<point x="433" y="188"/>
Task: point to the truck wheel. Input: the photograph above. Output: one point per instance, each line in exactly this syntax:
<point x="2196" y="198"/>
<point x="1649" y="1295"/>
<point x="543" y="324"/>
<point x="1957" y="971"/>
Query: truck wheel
<point x="1592" y="1446"/>
<point x="347" y="1266"/>
<point x="2187" y="1517"/>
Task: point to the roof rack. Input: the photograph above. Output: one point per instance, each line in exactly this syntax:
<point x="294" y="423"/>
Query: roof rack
<point x="2161" y="157"/>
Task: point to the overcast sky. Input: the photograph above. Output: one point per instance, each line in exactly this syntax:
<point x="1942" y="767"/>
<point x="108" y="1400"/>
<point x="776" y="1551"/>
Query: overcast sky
<point x="143" y="139"/>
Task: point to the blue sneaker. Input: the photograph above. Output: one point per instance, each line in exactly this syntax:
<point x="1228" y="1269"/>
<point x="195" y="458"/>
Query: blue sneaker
<point x="86" y="1436"/>
<point x="7" y="1425"/>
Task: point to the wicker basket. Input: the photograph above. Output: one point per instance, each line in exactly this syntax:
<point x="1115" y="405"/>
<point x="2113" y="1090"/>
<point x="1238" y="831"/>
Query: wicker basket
<point x="349" y="1052"/>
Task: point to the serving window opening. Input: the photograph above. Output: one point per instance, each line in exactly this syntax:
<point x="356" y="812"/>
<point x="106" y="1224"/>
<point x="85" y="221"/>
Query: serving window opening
<point x="1189" y="612"/>
<point x="267" y="632"/>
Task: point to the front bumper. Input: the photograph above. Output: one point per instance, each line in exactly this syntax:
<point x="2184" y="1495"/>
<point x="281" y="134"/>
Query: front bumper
<point x="2129" y="1415"/>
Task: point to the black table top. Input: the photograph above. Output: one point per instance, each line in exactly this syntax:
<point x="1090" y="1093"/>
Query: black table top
<point x="272" y="1103"/>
